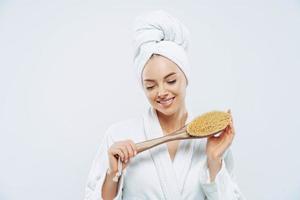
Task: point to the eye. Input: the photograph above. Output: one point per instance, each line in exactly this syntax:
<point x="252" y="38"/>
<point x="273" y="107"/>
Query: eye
<point x="172" y="82"/>
<point x="149" y="87"/>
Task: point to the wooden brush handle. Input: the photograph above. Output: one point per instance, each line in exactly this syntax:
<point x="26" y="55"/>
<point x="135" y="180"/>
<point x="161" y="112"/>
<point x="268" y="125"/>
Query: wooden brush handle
<point x="177" y="135"/>
<point x="180" y="134"/>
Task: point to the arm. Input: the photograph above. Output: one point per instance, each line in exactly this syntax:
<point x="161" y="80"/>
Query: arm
<point x="98" y="181"/>
<point x="223" y="186"/>
<point x="109" y="188"/>
<point x="221" y="183"/>
<point x="214" y="166"/>
<point x="216" y="147"/>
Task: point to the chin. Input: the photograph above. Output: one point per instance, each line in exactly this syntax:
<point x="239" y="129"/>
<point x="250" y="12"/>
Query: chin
<point x="167" y="111"/>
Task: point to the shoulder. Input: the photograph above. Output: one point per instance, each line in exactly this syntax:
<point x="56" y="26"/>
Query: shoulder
<point x="130" y="128"/>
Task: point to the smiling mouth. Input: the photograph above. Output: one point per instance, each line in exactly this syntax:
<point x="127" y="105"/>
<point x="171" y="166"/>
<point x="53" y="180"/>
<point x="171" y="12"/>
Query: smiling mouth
<point x="166" y="102"/>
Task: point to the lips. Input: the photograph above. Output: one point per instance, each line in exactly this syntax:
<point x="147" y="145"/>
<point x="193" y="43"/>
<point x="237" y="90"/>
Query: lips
<point x="166" y="102"/>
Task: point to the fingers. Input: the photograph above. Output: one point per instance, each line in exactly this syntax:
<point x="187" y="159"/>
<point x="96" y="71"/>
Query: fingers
<point x="231" y="122"/>
<point x="124" y="149"/>
<point x="117" y="151"/>
<point x="221" y="134"/>
<point x="232" y="130"/>
<point x="226" y="136"/>
<point x="229" y="135"/>
<point x="133" y="147"/>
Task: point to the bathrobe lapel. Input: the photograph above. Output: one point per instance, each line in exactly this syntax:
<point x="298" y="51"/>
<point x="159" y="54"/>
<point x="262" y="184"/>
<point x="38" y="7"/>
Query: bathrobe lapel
<point x="172" y="175"/>
<point x="183" y="158"/>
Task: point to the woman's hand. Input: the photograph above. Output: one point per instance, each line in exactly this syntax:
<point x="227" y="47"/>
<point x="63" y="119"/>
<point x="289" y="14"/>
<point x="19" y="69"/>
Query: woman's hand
<point x="124" y="149"/>
<point x="216" y="146"/>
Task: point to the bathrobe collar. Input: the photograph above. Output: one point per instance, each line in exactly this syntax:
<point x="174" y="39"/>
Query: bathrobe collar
<point x="172" y="175"/>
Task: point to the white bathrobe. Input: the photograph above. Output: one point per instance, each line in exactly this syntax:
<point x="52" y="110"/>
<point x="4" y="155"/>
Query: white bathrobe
<point x="153" y="175"/>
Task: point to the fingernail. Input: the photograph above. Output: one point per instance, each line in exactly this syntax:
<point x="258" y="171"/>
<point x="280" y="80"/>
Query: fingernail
<point x="135" y="152"/>
<point x="126" y="161"/>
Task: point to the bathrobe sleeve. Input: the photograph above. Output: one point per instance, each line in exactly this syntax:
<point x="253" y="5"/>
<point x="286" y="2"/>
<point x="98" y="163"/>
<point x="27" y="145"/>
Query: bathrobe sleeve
<point x="224" y="187"/>
<point x="97" y="174"/>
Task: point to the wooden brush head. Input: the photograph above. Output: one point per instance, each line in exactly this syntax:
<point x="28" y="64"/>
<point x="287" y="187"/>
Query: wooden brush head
<point x="208" y="123"/>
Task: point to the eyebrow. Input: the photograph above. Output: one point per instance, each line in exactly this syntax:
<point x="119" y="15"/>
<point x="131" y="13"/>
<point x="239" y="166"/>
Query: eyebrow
<point x="172" y="73"/>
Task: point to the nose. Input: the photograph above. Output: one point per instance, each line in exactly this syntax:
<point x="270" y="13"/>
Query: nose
<point x="162" y="92"/>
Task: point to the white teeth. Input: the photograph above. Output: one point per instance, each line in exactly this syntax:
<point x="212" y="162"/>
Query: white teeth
<point x="166" y="102"/>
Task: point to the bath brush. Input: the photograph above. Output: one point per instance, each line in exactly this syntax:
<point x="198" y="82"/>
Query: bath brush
<point x="205" y="125"/>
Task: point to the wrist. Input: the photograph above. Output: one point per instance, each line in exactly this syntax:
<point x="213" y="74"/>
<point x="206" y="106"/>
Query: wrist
<point x="111" y="172"/>
<point x="214" y="165"/>
<point x="113" y="175"/>
<point x="214" y="162"/>
<point x="213" y="157"/>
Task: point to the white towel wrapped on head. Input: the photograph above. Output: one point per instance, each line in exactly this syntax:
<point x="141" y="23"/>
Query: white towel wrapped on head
<point x="158" y="32"/>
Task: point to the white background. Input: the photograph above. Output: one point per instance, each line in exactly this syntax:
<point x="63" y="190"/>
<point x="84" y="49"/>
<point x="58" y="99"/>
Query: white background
<point x="66" y="74"/>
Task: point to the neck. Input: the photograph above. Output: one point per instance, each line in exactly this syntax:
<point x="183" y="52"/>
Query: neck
<point x="171" y="123"/>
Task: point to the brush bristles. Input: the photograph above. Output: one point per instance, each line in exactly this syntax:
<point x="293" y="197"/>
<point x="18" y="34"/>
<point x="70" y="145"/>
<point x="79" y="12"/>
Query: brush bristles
<point x="208" y="123"/>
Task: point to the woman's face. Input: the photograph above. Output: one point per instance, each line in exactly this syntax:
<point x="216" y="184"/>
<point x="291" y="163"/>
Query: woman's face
<point x="164" y="85"/>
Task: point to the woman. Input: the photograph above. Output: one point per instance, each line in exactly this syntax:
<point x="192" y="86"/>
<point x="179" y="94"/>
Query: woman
<point x="187" y="169"/>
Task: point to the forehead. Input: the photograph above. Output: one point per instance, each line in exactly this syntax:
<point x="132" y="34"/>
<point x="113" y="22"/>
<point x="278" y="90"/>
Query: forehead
<point x="158" y="67"/>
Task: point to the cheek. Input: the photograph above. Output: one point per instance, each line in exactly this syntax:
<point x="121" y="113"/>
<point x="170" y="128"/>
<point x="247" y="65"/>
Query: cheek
<point x="179" y="89"/>
<point x="150" y="95"/>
